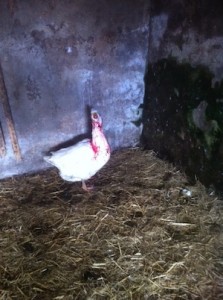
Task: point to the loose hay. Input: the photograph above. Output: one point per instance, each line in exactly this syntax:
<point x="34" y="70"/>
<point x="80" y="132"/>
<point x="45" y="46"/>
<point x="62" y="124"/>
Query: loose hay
<point x="136" y="236"/>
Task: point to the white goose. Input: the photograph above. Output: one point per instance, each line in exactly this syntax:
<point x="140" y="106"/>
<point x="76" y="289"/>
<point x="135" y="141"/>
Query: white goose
<point x="84" y="159"/>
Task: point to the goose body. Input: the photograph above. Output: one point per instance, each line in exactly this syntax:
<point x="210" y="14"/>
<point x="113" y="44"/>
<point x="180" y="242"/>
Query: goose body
<point x="84" y="159"/>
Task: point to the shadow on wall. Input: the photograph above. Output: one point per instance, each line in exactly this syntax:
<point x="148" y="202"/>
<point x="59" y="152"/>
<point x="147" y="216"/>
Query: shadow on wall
<point x="183" y="118"/>
<point x="76" y="139"/>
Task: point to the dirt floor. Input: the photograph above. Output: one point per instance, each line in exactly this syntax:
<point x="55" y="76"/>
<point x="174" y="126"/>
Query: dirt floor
<point x="143" y="233"/>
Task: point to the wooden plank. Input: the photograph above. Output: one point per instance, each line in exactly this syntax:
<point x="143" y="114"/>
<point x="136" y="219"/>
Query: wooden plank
<point x="8" y="115"/>
<point x="2" y="143"/>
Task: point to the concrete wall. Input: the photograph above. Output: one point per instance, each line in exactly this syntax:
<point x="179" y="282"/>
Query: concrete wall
<point x="58" y="57"/>
<point x="191" y="31"/>
<point x="184" y="86"/>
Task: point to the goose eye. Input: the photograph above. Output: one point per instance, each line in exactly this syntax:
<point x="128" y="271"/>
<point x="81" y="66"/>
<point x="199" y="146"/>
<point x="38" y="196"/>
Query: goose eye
<point x="95" y="116"/>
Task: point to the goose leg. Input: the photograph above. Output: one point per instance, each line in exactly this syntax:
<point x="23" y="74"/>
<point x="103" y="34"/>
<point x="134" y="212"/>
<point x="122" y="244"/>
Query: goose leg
<point x="85" y="187"/>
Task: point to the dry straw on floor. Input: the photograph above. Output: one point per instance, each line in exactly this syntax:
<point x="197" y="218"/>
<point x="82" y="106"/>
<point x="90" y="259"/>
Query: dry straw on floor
<point x="143" y="233"/>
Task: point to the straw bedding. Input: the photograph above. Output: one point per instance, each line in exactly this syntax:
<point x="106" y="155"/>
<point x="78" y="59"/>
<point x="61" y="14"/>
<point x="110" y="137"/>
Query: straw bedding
<point x="143" y="233"/>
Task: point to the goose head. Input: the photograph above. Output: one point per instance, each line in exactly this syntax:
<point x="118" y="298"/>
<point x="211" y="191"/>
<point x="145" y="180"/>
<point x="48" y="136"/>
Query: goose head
<point x="96" y="119"/>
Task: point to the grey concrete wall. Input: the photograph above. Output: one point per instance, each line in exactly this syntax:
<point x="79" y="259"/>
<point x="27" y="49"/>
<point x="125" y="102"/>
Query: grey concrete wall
<point x="183" y="105"/>
<point x="57" y="58"/>
<point x="191" y="31"/>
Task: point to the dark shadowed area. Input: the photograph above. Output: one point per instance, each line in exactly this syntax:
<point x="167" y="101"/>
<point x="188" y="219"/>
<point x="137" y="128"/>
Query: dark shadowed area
<point x="183" y="104"/>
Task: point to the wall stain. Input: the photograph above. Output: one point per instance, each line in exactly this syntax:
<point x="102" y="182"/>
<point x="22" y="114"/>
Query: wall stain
<point x="183" y="118"/>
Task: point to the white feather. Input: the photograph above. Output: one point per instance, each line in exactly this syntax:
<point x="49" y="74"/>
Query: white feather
<point x="84" y="159"/>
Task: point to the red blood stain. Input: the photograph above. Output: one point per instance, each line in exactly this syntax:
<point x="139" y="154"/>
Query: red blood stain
<point x="94" y="148"/>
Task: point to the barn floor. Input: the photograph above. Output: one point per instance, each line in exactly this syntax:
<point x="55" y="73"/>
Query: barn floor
<point x="139" y="235"/>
